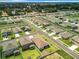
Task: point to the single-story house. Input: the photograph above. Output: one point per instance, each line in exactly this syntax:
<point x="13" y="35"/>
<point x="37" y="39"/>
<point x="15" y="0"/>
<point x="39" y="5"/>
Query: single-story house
<point x="6" y="32"/>
<point x="40" y="43"/>
<point x="25" y="42"/>
<point x="16" y="29"/>
<point x="57" y="21"/>
<point x="65" y="35"/>
<point x="26" y="28"/>
<point x="55" y="29"/>
<point x="9" y="47"/>
<point x="68" y="24"/>
<point x="75" y="40"/>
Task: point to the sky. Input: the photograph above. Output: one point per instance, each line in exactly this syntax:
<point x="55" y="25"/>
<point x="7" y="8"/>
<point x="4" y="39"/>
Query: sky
<point x="39" y="0"/>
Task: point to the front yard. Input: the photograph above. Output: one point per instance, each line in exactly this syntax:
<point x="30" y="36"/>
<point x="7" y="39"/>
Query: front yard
<point x="67" y="42"/>
<point x="64" y="54"/>
<point x="33" y="54"/>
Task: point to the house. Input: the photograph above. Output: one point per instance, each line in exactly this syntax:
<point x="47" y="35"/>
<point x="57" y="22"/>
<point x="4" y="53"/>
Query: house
<point x="6" y="32"/>
<point x="40" y="43"/>
<point x="9" y="47"/>
<point x="16" y="29"/>
<point x="55" y="29"/>
<point x="75" y="40"/>
<point x="25" y="42"/>
<point x="65" y="35"/>
<point x="57" y="21"/>
<point x="68" y="24"/>
<point x="26" y="28"/>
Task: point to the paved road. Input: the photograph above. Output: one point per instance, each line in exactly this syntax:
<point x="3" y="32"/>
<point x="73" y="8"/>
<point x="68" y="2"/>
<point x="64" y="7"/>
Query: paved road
<point x="60" y="45"/>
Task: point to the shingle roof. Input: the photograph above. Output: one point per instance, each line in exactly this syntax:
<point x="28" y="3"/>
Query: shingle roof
<point x="76" y="38"/>
<point x="65" y="24"/>
<point x="16" y="29"/>
<point x="24" y="41"/>
<point x="40" y="43"/>
<point x="56" y="29"/>
<point x="7" y="45"/>
<point x="65" y="34"/>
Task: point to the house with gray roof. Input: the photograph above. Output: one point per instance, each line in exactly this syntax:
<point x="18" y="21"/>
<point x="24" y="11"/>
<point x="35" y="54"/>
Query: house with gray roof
<point x="9" y="47"/>
<point x="56" y="20"/>
<point x="65" y="35"/>
<point x="68" y="24"/>
<point x="16" y="29"/>
<point x="55" y="29"/>
<point x="25" y="42"/>
<point x="75" y="40"/>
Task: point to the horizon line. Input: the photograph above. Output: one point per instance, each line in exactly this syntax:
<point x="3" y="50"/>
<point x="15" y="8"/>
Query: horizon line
<point x="39" y="1"/>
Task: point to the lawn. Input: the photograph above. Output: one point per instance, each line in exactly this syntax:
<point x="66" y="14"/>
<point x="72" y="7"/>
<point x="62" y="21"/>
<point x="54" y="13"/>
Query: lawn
<point x="18" y="57"/>
<point x="11" y="36"/>
<point x="32" y="29"/>
<point x="21" y="33"/>
<point x="73" y="17"/>
<point x="77" y="49"/>
<point x="14" y="57"/>
<point x="1" y="36"/>
<point x="67" y="41"/>
<point x="31" y="53"/>
<point x="64" y="54"/>
<point x="11" y="57"/>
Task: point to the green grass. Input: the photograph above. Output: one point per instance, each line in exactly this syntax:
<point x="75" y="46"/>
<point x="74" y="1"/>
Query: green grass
<point x="73" y="17"/>
<point x="21" y="33"/>
<point x="1" y="36"/>
<point x="11" y="57"/>
<point x="14" y="57"/>
<point x="67" y="41"/>
<point x="11" y="36"/>
<point x="18" y="57"/>
<point x="64" y="54"/>
<point x="77" y="49"/>
<point x="31" y="53"/>
<point x="32" y="30"/>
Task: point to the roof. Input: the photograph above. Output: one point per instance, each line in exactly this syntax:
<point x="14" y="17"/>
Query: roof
<point x="6" y="30"/>
<point x="16" y="29"/>
<point x="65" y="24"/>
<point x="24" y="41"/>
<point x="76" y="38"/>
<point x="65" y="34"/>
<point x="56" y="29"/>
<point x="56" y="20"/>
<point x="40" y="43"/>
<point x="7" y="45"/>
